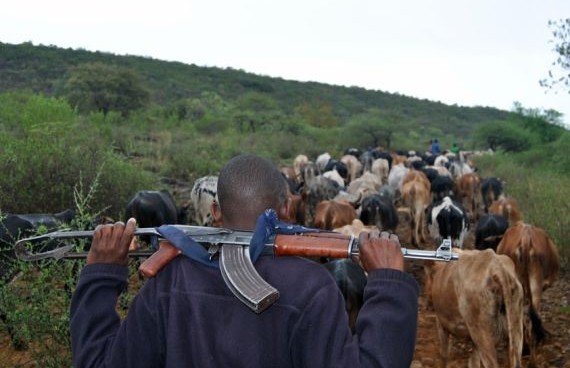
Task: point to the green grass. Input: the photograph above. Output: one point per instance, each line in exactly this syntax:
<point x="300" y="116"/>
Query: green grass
<point x="542" y="194"/>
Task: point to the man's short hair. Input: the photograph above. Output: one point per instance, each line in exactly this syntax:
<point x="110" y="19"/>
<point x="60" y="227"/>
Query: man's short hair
<point x="248" y="185"/>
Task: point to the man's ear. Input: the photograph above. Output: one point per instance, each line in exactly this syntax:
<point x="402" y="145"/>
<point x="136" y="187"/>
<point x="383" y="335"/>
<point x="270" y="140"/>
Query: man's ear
<point x="216" y="214"/>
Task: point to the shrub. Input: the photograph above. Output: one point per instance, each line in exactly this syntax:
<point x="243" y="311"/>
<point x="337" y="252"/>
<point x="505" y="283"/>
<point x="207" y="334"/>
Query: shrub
<point x="41" y="171"/>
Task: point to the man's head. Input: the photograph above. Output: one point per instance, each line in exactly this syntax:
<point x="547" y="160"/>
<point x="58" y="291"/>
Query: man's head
<point x="247" y="186"/>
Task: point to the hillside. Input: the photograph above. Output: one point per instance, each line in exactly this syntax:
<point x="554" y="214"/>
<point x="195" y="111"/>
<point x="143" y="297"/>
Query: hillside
<point x="43" y="69"/>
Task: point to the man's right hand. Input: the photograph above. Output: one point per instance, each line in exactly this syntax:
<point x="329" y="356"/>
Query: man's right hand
<point x="111" y="243"/>
<point x="380" y="251"/>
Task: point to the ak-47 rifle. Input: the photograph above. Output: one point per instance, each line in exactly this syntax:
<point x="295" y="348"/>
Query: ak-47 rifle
<point x="234" y="261"/>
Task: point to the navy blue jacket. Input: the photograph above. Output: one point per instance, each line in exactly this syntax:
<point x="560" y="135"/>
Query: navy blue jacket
<point x="187" y="317"/>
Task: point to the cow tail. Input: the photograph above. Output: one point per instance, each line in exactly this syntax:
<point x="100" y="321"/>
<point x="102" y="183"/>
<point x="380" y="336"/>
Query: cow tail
<point x="538" y="330"/>
<point x="538" y="333"/>
<point x="474" y="190"/>
<point x="329" y="219"/>
<point x="521" y="253"/>
<point x="509" y="290"/>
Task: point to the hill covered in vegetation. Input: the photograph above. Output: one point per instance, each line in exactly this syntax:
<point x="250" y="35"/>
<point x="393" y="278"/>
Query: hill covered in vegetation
<point x="172" y="85"/>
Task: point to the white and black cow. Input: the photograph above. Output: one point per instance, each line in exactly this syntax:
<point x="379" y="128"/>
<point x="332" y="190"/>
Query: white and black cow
<point x="338" y="166"/>
<point x="203" y="195"/>
<point x="447" y="219"/>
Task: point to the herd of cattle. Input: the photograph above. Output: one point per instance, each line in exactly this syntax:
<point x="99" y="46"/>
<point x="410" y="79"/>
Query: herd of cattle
<point x="490" y="295"/>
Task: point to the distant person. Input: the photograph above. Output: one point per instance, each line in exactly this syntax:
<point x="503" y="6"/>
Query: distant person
<point x="435" y="148"/>
<point x="455" y="149"/>
<point x="186" y="316"/>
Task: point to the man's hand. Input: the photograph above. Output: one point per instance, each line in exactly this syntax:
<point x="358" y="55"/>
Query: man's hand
<point x="111" y="243"/>
<point x="380" y="251"/>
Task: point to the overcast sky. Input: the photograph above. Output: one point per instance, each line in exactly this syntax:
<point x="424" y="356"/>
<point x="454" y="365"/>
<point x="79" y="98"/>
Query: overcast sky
<point x="469" y="53"/>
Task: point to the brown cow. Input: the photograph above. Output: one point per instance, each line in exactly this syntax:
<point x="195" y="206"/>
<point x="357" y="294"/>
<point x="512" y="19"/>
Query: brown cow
<point x="398" y="159"/>
<point x="381" y="168"/>
<point x="331" y="214"/>
<point x="355" y="228"/>
<point x="468" y="189"/>
<point x="290" y="174"/>
<point x="478" y="298"/>
<point x="353" y="165"/>
<point x="416" y="175"/>
<point x="508" y="208"/>
<point x="296" y="214"/>
<point x="537" y="263"/>
<point x="416" y="196"/>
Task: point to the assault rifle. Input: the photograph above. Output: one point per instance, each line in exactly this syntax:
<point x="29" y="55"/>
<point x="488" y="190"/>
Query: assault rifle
<point x="232" y="248"/>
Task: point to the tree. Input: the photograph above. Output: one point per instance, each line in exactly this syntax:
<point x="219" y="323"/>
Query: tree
<point x="104" y="88"/>
<point x="254" y="110"/>
<point x="374" y="126"/>
<point x="506" y="135"/>
<point x="546" y="125"/>
<point x="561" y="33"/>
<point x="196" y="108"/>
<point x="319" y="114"/>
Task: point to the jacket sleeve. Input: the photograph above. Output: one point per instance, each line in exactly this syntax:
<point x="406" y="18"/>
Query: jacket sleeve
<point x="387" y="323"/>
<point x="385" y="329"/>
<point x="98" y="337"/>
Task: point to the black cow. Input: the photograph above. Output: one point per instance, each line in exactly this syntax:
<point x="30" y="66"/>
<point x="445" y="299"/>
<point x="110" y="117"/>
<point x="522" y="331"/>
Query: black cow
<point x="16" y="226"/>
<point x="447" y="219"/>
<point x="417" y="164"/>
<point x="380" y="211"/>
<point x="431" y="174"/>
<point x="491" y="190"/>
<point x="153" y="208"/>
<point x="351" y="280"/>
<point x="430" y="160"/>
<point x="442" y="186"/>
<point x="489" y="232"/>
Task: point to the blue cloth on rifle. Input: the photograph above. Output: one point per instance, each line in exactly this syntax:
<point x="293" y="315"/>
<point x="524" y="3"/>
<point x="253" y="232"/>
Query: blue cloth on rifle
<point x="267" y="225"/>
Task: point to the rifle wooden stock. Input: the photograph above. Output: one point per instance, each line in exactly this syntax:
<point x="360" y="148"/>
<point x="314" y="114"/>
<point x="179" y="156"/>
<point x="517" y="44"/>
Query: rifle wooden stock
<point x="152" y="265"/>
